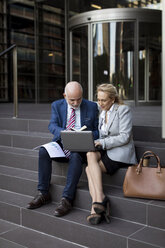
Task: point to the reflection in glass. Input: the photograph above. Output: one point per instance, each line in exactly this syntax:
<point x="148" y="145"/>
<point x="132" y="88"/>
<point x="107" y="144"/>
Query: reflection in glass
<point x="39" y="33"/>
<point x="80" y="58"/>
<point x="149" y="61"/>
<point x="51" y="54"/>
<point x="113" y="55"/>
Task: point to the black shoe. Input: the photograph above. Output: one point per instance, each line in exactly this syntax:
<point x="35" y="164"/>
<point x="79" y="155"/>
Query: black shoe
<point x="39" y="200"/>
<point x="63" y="208"/>
<point x="103" y="208"/>
<point x="94" y="219"/>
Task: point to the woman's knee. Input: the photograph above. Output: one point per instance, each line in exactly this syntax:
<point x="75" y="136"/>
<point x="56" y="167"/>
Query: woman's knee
<point x="91" y="156"/>
<point x="87" y="170"/>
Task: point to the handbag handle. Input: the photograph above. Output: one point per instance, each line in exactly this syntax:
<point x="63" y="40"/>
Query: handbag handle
<point x="145" y="155"/>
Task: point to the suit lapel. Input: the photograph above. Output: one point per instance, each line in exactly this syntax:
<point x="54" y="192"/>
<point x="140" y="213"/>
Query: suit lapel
<point x="112" y="116"/>
<point x="82" y="112"/>
<point x="64" y="111"/>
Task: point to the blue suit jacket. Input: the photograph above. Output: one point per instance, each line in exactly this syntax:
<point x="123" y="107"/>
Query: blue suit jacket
<point x="88" y="114"/>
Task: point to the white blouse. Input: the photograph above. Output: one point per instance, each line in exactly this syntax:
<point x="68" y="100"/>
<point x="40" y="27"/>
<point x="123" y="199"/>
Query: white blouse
<point x="104" y="124"/>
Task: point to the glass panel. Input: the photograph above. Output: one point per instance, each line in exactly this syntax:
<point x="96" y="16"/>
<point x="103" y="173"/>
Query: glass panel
<point x="38" y="31"/>
<point x="113" y="55"/>
<point x="4" y="59"/>
<point x="22" y="33"/>
<point x="3" y="79"/>
<point x="142" y="56"/>
<point x="149" y="61"/>
<point x="80" y="58"/>
<point x="50" y="53"/>
<point x="155" y="72"/>
<point x="53" y="18"/>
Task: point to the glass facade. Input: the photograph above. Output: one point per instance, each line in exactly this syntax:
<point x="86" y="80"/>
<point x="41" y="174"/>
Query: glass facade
<point x="113" y="56"/>
<point x="101" y="51"/>
<point x="3" y="60"/>
<point x="38" y="31"/>
<point x="149" y="61"/>
<point x="125" y="53"/>
<point x="80" y="58"/>
<point x="50" y="47"/>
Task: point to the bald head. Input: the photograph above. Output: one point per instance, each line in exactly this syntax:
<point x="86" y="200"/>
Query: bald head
<point x="73" y="94"/>
<point x="73" y="87"/>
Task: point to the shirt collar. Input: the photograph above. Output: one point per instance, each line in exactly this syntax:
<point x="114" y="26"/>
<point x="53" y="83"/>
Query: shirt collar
<point x="109" y="111"/>
<point x="70" y="107"/>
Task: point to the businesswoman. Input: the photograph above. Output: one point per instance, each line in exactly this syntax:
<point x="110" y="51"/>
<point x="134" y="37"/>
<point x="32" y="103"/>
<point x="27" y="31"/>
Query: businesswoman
<point x="117" y="149"/>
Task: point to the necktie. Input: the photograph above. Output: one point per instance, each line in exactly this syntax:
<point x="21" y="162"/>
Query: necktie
<point x="71" y="124"/>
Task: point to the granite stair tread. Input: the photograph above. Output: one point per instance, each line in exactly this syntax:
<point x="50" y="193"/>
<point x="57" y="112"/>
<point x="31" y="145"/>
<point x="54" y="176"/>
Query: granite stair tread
<point x="26" y="133"/>
<point x="29" y="175"/>
<point x="21" y="237"/>
<point x="42" y="222"/>
<point x="23" y="182"/>
<point x="27" y="140"/>
<point x="135" y="223"/>
<point x="76" y="221"/>
<point x="18" y="150"/>
<point x="150" y="144"/>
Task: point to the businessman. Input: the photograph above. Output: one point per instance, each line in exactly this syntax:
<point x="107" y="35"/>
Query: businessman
<point x="72" y="111"/>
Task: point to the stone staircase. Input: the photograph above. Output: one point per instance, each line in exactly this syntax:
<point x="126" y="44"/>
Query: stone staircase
<point x="135" y="223"/>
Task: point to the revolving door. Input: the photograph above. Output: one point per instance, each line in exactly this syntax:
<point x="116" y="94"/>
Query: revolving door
<point x="118" y="46"/>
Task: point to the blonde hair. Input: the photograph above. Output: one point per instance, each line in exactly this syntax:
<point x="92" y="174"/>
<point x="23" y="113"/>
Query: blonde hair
<point x="111" y="91"/>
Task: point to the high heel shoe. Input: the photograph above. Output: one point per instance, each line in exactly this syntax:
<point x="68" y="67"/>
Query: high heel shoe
<point x="103" y="208"/>
<point x="94" y="219"/>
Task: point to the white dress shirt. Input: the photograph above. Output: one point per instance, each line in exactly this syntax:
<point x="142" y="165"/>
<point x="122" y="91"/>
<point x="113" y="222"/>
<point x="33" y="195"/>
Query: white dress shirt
<point x="77" y="116"/>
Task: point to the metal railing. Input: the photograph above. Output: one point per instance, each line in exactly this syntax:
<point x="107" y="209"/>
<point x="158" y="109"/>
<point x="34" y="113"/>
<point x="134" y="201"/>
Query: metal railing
<point x="15" y="78"/>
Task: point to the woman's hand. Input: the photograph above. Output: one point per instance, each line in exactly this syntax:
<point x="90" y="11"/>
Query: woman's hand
<point x="97" y="143"/>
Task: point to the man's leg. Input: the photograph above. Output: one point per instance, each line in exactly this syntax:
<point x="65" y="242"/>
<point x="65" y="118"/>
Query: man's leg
<point x="75" y="169"/>
<point x="44" y="171"/>
<point x="44" y="177"/>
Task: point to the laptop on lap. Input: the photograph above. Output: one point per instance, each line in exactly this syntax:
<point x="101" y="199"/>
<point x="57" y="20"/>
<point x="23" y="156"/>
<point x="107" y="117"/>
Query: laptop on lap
<point x="78" y="141"/>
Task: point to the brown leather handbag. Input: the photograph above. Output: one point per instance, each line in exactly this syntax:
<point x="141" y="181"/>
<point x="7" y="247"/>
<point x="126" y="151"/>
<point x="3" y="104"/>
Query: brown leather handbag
<point x="145" y="182"/>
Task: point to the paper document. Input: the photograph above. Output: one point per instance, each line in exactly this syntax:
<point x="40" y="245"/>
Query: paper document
<point x="54" y="150"/>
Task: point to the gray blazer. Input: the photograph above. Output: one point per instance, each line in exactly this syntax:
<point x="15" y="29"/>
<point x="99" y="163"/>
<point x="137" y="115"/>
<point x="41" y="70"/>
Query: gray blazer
<point x="117" y="139"/>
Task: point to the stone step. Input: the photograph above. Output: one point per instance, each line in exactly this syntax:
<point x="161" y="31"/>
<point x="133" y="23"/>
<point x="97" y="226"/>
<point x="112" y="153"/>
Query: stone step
<point x="24" y="182"/>
<point x="149" y="133"/>
<point x="28" y="160"/>
<point x="72" y="227"/>
<point x="136" y="223"/>
<point x="157" y="148"/>
<point x="26" y="125"/>
<point x="19" y="158"/>
<point x="17" y="236"/>
<point x="23" y="139"/>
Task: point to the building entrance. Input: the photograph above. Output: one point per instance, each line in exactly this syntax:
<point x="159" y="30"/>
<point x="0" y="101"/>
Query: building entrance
<point x="118" y="46"/>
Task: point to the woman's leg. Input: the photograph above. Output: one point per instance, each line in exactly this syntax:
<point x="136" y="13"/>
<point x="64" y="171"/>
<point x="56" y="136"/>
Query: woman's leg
<point x="100" y="203"/>
<point x="95" y="176"/>
<point x="91" y="188"/>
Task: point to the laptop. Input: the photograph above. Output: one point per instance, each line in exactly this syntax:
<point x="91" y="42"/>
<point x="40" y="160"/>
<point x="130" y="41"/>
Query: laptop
<point x="78" y="141"/>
